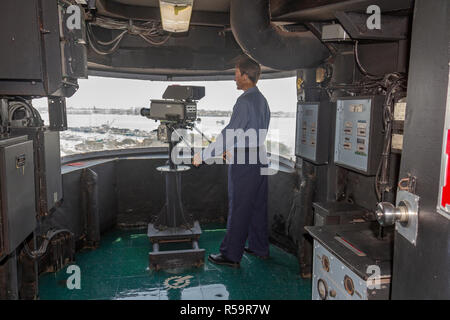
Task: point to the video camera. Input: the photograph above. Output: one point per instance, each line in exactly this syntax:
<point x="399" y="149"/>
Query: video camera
<point x="180" y="106"/>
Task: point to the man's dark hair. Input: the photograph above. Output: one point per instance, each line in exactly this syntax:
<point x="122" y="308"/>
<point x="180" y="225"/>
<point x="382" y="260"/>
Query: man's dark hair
<point x="249" y="67"/>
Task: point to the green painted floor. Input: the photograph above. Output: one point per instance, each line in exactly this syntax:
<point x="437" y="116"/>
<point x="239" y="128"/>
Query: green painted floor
<point x="118" y="269"/>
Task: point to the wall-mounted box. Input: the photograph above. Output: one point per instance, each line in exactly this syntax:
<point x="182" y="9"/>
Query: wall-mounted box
<point x="313" y="131"/>
<point x="47" y="163"/>
<point x="17" y="193"/>
<point x="39" y="55"/>
<point x="359" y="133"/>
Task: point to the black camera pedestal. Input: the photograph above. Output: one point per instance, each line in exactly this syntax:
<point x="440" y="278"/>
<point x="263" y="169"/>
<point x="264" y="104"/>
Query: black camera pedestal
<point x="173" y="224"/>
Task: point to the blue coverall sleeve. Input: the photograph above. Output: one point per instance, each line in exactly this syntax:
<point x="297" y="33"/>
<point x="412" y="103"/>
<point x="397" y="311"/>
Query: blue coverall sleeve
<point x="239" y="120"/>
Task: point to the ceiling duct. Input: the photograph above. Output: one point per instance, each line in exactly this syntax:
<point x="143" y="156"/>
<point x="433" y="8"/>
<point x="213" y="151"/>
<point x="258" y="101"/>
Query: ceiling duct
<point x="270" y="45"/>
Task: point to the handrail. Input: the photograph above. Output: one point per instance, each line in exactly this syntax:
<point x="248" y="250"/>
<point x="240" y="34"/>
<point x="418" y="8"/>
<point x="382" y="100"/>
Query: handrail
<point x="161" y="152"/>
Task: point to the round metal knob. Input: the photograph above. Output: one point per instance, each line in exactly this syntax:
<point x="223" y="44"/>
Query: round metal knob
<point x="322" y="288"/>
<point x="387" y="214"/>
<point x="333" y="293"/>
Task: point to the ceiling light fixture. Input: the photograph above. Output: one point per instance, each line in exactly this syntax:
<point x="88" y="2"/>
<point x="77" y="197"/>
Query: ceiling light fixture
<point x="176" y="14"/>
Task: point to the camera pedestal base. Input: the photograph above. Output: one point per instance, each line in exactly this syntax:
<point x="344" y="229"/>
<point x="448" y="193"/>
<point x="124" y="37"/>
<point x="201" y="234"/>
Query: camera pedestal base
<point x="175" y="258"/>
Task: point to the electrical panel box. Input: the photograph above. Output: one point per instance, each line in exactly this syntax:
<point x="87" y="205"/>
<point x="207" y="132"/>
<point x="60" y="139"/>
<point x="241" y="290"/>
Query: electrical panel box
<point x="313" y="131"/>
<point x="17" y="193"/>
<point x="359" y="133"/>
<point x="47" y="162"/>
<point x="40" y="55"/>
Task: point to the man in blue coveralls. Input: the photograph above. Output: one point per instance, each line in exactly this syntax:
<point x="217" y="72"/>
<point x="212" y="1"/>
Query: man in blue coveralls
<point x="241" y="142"/>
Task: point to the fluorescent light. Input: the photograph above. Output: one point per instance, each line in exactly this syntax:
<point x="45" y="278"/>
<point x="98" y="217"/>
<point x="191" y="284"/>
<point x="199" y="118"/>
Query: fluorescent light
<point x="176" y="14"/>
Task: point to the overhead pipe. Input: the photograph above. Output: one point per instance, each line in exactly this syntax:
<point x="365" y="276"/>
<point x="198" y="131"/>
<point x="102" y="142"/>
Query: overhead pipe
<point x="268" y="44"/>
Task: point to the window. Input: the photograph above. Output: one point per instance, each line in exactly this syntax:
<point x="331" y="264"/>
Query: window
<point x="105" y="113"/>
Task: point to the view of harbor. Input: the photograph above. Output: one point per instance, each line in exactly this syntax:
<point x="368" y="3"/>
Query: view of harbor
<point x="104" y="114"/>
<point x="89" y="132"/>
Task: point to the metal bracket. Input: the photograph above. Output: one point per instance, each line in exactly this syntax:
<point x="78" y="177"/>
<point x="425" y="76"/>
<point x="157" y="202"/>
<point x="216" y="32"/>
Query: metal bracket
<point x="408" y="229"/>
<point x="408" y="184"/>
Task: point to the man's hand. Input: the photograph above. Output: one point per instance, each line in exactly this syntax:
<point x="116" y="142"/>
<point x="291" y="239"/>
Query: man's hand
<point x="226" y="156"/>
<point x="197" y="160"/>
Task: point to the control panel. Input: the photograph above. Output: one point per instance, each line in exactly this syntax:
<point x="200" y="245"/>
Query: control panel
<point x="359" y="136"/>
<point x="312" y="131"/>
<point x="334" y="280"/>
<point x="191" y="112"/>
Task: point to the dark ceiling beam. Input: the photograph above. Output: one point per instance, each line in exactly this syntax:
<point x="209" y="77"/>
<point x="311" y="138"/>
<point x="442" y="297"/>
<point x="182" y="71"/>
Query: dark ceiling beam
<point x="323" y="10"/>
<point x="119" y="10"/>
<point x="176" y="75"/>
<point x="200" y="50"/>
<point x="282" y="7"/>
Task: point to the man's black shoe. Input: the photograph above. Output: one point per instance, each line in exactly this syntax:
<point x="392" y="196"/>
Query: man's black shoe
<point x="246" y="249"/>
<point x="220" y="259"/>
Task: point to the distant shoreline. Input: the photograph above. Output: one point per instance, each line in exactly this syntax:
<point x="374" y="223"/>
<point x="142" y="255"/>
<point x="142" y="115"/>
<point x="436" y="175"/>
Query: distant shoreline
<point x="136" y="111"/>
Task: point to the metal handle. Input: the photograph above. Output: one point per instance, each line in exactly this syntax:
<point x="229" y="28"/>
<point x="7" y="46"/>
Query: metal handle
<point x="387" y="214"/>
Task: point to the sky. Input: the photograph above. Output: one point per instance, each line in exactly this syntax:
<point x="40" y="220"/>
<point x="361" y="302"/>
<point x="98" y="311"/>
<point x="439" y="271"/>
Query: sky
<point x="219" y="95"/>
